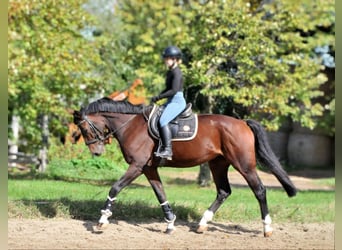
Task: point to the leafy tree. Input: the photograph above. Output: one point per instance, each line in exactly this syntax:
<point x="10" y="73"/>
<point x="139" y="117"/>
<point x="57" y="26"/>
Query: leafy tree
<point x="117" y="71"/>
<point x="256" y="59"/>
<point x="51" y="65"/>
<point x="263" y="58"/>
<point x="148" y="27"/>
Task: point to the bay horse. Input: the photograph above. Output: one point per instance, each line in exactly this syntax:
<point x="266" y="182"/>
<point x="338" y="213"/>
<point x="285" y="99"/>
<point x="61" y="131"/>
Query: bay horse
<point x="221" y="141"/>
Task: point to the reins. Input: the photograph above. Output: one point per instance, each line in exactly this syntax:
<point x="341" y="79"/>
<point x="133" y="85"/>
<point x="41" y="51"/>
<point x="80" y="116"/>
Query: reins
<point x="98" y="133"/>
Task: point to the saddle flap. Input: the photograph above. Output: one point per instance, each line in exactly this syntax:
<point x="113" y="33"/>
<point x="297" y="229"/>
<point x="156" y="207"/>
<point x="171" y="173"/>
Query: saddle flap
<point x="183" y="127"/>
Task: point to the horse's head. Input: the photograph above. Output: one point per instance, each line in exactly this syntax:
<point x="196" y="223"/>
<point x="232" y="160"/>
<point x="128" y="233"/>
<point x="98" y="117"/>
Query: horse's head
<point x="94" y="131"/>
<point x="99" y="120"/>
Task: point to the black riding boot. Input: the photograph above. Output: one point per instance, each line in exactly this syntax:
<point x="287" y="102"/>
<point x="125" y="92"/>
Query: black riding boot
<point x="166" y="136"/>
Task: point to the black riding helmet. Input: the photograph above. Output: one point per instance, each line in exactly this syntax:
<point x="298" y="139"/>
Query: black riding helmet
<point x="172" y="51"/>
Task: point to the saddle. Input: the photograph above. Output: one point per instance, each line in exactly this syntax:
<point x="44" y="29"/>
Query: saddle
<point x="183" y="127"/>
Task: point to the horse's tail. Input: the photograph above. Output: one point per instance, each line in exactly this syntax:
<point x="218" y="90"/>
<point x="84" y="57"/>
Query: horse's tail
<point x="266" y="157"/>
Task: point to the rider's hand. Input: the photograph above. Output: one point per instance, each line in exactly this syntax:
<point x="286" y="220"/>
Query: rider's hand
<point x="155" y="99"/>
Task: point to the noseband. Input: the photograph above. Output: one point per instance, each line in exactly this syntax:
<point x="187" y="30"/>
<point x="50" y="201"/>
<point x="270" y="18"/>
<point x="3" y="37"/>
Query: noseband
<point x="98" y="133"/>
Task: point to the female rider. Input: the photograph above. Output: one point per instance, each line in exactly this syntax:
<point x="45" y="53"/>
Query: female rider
<point x="175" y="99"/>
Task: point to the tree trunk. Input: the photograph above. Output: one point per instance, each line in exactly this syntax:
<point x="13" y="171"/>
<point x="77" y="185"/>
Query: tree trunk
<point x="13" y="144"/>
<point x="45" y="137"/>
<point x="204" y="176"/>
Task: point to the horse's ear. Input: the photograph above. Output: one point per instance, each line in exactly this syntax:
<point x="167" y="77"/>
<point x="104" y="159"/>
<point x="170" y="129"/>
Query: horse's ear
<point x="77" y="116"/>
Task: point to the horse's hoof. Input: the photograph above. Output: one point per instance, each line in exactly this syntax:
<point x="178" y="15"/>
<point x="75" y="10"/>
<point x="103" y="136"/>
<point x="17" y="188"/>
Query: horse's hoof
<point x="102" y="226"/>
<point x="169" y="231"/>
<point x="201" y="229"/>
<point x="268" y="234"/>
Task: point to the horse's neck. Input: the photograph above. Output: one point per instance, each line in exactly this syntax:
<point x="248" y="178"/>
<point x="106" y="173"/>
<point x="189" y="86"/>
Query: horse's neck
<point x="133" y="135"/>
<point x="119" y="121"/>
<point x="121" y="124"/>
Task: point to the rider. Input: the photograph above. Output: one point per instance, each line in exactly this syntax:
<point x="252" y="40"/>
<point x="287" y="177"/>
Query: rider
<point x="175" y="99"/>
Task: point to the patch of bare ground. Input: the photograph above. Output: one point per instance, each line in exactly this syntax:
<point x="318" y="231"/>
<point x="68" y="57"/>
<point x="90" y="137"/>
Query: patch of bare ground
<point x="76" y="234"/>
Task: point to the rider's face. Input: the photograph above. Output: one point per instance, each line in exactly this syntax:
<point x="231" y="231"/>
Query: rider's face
<point x="169" y="62"/>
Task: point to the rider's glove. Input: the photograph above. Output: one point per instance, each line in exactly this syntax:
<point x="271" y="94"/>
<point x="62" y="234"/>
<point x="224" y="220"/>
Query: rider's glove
<point x="155" y="99"/>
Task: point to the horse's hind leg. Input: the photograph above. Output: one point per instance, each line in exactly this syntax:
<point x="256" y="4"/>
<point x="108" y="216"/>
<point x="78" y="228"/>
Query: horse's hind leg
<point x="219" y="170"/>
<point x="254" y="182"/>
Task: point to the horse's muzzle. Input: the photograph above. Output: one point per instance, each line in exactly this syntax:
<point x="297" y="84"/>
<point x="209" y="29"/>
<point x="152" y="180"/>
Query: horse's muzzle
<point x="96" y="149"/>
<point x="96" y="154"/>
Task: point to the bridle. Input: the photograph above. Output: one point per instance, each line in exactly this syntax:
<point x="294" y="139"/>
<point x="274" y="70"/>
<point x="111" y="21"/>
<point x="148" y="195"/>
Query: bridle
<point x="98" y="133"/>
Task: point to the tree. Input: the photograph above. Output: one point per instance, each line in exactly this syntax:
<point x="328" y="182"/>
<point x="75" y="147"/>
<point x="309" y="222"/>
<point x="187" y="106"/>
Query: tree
<point x="255" y="58"/>
<point x="262" y="58"/>
<point x="147" y="27"/>
<point x="258" y="57"/>
<point x="51" y="65"/>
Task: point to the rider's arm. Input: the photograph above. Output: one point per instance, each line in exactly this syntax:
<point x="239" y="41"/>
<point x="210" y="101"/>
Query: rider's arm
<point x="175" y="85"/>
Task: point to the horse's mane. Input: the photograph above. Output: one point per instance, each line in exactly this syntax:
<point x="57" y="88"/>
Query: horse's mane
<point x="106" y="104"/>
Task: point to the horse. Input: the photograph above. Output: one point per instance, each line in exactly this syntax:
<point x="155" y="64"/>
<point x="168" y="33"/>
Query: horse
<point x="220" y="140"/>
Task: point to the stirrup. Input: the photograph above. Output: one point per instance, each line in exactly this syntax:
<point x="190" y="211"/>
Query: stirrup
<point x="166" y="153"/>
<point x="159" y="149"/>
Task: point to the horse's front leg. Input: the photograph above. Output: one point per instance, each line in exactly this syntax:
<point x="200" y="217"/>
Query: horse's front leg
<point x="131" y="174"/>
<point x="153" y="177"/>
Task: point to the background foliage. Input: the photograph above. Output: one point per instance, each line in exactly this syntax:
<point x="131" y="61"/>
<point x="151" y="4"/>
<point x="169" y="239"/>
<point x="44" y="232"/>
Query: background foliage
<point x="243" y="58"/>
<point x="51" y="65"/>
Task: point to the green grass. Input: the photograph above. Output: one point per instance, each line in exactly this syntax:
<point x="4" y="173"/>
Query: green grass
<point x="50" y="198"/>
<point x="76" y="185"/>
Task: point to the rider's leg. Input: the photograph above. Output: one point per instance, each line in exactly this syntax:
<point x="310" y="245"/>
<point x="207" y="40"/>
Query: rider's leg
<point x="165" y="135"/>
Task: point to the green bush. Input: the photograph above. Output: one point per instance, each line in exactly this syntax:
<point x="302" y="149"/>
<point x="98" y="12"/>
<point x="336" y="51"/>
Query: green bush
<point x="74" y="162"/>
